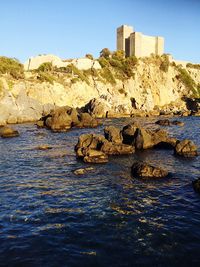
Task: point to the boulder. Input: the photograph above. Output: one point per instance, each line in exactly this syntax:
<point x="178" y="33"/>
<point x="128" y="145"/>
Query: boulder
<point x="63" y="118"/>
<point x="141" y="138"/>
<point x="89" y="141"/>
<point x="113" y="134"/>
<point x="95" y="156"/>
<point x="128" y="133"/>
<point x="98" y="108"/>
<point x="95" y="148"/>
<point x="60" y="120"/>
<point x="117" y="149"/>
<point x="6" y="132"/>
<point x="82" y="170"/>
<point x="185" y="148"/>
<point x="196" y="185"/>
<point x="164" y="122"/>
<point x="86" y="120"/>
<point x="144" y="170"/>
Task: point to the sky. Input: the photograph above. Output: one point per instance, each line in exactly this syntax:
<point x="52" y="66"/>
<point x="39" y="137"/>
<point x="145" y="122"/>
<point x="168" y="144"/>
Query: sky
<point x="73" y="28"/>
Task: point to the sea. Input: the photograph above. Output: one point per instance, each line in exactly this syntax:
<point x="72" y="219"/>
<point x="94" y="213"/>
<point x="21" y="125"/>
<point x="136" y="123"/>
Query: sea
<point x="50" y="217"/>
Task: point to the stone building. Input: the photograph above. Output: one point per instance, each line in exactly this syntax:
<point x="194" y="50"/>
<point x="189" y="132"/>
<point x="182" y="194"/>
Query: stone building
<point x="137" y="44"/>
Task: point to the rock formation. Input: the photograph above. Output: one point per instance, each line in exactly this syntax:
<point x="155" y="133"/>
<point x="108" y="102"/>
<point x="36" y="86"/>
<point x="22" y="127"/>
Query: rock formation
<point x="101" y="91"/>
<point x="64" y="118"/>
<point x="144" y="170"/>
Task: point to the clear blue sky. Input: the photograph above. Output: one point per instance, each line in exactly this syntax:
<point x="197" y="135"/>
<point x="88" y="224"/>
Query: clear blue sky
<point x="72" y="28"/>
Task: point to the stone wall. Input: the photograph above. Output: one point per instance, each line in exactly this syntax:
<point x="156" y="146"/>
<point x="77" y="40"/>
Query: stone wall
<point x="81" y="63"/>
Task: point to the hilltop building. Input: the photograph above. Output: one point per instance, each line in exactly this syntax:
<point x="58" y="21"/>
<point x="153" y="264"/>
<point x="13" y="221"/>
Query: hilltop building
<point x="137" y="44"/>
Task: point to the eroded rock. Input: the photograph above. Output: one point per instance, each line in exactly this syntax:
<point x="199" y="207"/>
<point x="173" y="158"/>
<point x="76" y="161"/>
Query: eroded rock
<point x="7" y="132"/>
<point x="113" y="134"/>
<point x="83" y="170"/>
<point x="144" y="170"/>
<point x="166" y="122"/>
<point x="95" y="148"/>
<point x="64" y="118"/>
<point x="186" y="148"/>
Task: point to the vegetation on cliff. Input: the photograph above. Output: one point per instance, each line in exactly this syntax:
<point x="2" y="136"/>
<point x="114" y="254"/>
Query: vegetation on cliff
<point x="12" y="67"/>
<point x="114" y="66"/>
<point x="187" y="80"/>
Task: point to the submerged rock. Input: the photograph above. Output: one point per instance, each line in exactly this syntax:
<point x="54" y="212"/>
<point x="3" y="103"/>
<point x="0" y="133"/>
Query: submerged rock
<point x="95" y="156"/>
<point x="44" y="147"/>
<point x="178" y="123"/>
<point x="95" y="148"/>
<point x="196" y="185"/>
<point x="185" y="148"/>
<point x="166" y="122"/>
<point x="82" y="170"/>
<point x="7" y="132"/>
<point x="128" y="133"/>
<point x="144" y="170"/>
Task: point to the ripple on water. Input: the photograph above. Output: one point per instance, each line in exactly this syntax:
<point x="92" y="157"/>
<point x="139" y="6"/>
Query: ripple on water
<point x="51" y="217"/>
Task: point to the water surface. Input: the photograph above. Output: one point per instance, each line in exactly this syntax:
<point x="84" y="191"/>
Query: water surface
<point x="51" y="217"/>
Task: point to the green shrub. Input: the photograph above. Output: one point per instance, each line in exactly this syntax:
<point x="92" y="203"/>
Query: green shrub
<point x="10" y="84"/>
<point x="122" y="91"/>
<point x="1" y="86"/>
<point x="194" y="66"/>
<point x="45" y="67"/>
<point x="187" y="80"/>
<point x="106" y="53"/>
<point x="74" y="80"/>
<point x="164" y="66"/>
<point x="118" y="55"/>
<point x="89" y="56"/>
<point x="115" y="63"/>
<point x="81" y="75"/>
<point x="107" y="75"/>
<point x="45" y="77"/>
<point x="11" y="66"/>
<point x="103" y="62"/>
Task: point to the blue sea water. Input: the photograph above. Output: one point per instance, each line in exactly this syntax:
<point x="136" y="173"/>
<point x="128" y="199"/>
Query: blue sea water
<point x="51" y="217"/>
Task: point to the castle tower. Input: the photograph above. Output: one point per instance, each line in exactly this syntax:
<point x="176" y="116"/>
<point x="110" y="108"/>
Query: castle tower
<point x="123" y="38"/>
<point x="136" y="44"/>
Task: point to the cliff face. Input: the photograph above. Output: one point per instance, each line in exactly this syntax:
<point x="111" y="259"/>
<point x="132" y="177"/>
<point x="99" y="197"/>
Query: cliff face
<point x="149" y="89"/>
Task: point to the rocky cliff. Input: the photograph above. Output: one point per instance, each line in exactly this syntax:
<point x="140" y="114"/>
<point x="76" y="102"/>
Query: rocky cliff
<point x="151" y="87"/>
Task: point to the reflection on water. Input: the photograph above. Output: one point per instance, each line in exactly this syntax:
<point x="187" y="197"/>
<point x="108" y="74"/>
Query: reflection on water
<point x="51" y="217"/>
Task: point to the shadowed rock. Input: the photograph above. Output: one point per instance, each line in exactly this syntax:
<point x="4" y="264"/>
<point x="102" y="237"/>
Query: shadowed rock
<point x="144" y="170"/>
<point x="95" y="156"/>
<point x="166" y="122"/>
<point x="141" y="138"/>
<point x="64" y="118"/>
<point x="7" y="132"/>
<point x="95" y="148"/>
<point x="186" y="148"/>
<point x="196" y="185"/>
<point x="113" y="134"/>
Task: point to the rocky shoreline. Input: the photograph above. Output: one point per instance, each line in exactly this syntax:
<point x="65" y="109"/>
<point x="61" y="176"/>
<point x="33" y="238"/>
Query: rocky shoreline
<point x="97" y="148"/>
